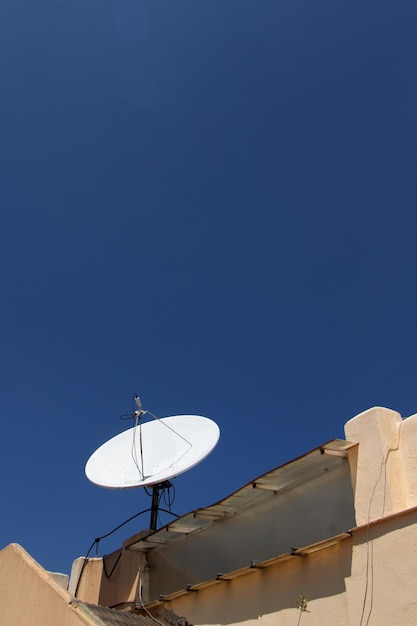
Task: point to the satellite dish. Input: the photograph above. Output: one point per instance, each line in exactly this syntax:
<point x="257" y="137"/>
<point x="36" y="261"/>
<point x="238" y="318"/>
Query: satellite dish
<point x="151" y="453"/>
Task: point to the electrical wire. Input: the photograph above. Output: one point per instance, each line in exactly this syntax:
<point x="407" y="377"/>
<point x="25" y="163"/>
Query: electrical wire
<point x="369" y="578"/>
<point x="98" y="539"/>
<point x="109" y="574"/>
<point x="169" y="495"/>
<point x="140" y="597"/>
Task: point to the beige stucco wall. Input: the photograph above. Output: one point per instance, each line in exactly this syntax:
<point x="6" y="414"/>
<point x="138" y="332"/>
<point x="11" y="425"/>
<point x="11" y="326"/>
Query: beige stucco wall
<point x="375" y="569"/>
<point x="378" y="486"/>
<point x="121" y="583"/>
<point x="29" y="596"/>
<point x="385" y="477"/>
<point x="269" y="596"/>
<point x="408" y="448"/>
<point x="312" y="511"/>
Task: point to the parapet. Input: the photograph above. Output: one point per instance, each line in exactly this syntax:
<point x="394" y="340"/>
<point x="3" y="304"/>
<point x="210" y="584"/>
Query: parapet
<point x="384" y="467"/>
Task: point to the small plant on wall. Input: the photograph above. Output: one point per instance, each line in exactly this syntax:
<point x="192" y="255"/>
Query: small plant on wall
<point x="302" y="602"/>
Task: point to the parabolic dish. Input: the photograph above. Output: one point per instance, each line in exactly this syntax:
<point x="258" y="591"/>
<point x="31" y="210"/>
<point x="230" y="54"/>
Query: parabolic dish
<point x="153" y="452"/>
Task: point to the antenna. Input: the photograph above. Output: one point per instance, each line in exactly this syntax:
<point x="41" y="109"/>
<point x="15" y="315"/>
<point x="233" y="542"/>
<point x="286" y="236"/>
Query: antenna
<point x="151" y="453"/>
<point x="139" y="405"/>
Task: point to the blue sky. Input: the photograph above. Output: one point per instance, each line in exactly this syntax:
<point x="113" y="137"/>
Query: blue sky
<point x="209" y="203"/>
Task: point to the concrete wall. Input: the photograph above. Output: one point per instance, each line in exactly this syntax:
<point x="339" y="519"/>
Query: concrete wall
<point x="320" y="508"/>
<point x="29" y="596"/>
<point x="385" y="476"/>
<point x="371" y="575"/>
<point x="112" y="580"/>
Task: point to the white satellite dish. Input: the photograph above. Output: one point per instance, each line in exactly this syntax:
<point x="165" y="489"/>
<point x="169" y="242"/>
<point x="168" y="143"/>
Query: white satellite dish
<point x="152" y="452"/>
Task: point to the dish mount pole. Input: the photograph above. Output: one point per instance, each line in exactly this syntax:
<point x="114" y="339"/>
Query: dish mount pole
<point x="155" y="506"/>
<point x="156" y="498"/>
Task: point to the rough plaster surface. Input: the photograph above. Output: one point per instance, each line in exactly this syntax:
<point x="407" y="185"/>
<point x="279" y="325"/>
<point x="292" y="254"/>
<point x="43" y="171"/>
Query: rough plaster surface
<point x="29" y="595"/>
<point x="386" y="474"/>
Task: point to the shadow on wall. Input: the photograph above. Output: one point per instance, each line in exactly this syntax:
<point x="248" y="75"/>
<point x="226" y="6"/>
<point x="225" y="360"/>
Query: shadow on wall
<point x="318" y="575"/>
<point x="313" y="511"/>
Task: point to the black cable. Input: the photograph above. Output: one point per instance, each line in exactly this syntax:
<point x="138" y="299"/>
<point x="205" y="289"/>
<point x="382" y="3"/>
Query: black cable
<point x="108" y="575"/>
<point x="169" y="496"/>
<point x="79" y="577"/>
<point x="170" y="513"/>
<point x="123" y="524"/>
<point x="98" y="539"/>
